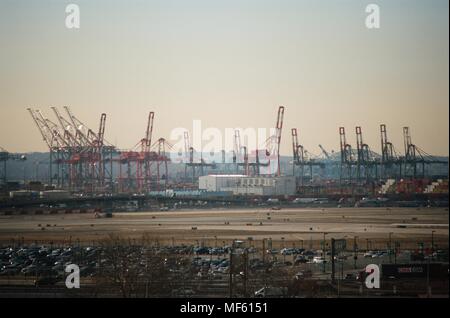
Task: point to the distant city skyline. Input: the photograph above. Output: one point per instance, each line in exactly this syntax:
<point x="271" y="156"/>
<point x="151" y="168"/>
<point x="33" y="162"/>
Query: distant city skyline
<point x="229" y="64"/>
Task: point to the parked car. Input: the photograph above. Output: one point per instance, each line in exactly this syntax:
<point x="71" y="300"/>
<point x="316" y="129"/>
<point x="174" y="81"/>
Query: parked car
<point x="46" y="281"/>
<point x="10" y="272"/>
<point x="350" y="276"/>
<point x="300" y="259"/>
<point x="271" y="292"/>
<point x="287" y="251"/>
<point x="183" y="292"/>
<point x="319" y="260"/>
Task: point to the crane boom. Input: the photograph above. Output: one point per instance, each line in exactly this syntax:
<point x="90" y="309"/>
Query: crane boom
<point x="189" y="151"/>
<point x="237" y="144"/>
<point x="101" y="130"/>
<point x="46" y="135"/>
<point x="149" y="131"/>
<point x="86" y="136"/>
<point x="66" y="126"/>
<point x="295" y="144"/>
<point x="325" y="153"/>
<point x="279" y="127"/>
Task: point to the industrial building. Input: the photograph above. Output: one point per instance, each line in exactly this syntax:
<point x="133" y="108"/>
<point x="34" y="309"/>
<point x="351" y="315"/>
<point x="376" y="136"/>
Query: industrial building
<point x="245" y="185"/>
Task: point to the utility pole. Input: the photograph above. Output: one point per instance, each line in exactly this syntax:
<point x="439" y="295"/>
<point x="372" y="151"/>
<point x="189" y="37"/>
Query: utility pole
<point x="332" y="260"/>
<point x="264" y="250"/>
<point x="324" y="252"/>
<point x="355" y="255"/>
<point x="428" y="278"/>
<point x="231" y="273"/>
<point x="245" y="271"/>
<point x="396" y="245"/>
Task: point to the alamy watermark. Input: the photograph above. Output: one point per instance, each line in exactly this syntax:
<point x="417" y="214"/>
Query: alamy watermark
<point x="73" y="279"/>
<point x="212" y="145"/>
<point x="72" y="20"/>
<point x="373" y="276"/>
<point x="373" y="17"/>
<point x="73" y="16"/>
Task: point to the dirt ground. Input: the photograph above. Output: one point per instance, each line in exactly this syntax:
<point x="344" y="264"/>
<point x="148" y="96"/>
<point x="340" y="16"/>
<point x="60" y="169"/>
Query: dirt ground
<point x="299" y="227"/>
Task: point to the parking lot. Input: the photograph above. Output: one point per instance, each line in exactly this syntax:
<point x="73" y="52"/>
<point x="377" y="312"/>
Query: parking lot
<point x="177" y="271"/>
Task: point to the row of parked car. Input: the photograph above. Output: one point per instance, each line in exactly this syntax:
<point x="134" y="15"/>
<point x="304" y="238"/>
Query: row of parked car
<point x="46" y="261"/>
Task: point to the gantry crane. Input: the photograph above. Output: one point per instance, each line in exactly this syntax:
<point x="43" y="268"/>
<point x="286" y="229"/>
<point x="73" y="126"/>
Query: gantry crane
<point x="302" y="159"/>
<point x="162" y="160"/>
<point x="271" y="151"/>
<point x="89" y="153"/>
<point x="389" y="156"/>
<point x="267" y="156"/>
<point x="191" y="162"/>
<point x="78" y="152"/>
<point x="58" y="146"/>
<point x="366" y="161"/>
<point x="240" y="154"/>
<point x="139" y="176"/>
<point x="347" y="158"/>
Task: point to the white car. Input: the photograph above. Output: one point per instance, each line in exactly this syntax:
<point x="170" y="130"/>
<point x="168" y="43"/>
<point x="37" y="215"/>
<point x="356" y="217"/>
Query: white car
<point x="319" y="260"/>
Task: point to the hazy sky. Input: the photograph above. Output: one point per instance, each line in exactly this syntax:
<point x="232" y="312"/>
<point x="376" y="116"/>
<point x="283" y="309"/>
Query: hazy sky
<point x="229" y="63"/>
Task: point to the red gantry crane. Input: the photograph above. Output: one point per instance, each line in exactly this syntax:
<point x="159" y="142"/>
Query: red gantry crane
<point x="78" y="152"/>
<point x="139" y="175"/>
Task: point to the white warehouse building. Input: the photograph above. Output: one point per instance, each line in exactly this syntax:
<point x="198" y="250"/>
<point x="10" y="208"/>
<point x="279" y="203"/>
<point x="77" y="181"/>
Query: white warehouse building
<point x="245" y="185"/>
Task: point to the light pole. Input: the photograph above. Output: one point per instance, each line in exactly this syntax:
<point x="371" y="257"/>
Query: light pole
<point x="396" y="250"/>
<point x="264" y="250"/>
<point x="432" y="243"/>
<point x="390" y="247"/>
<point x="355" y="256"/>
<point x="428" y="278"/>
<point x="324" y="251"/>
